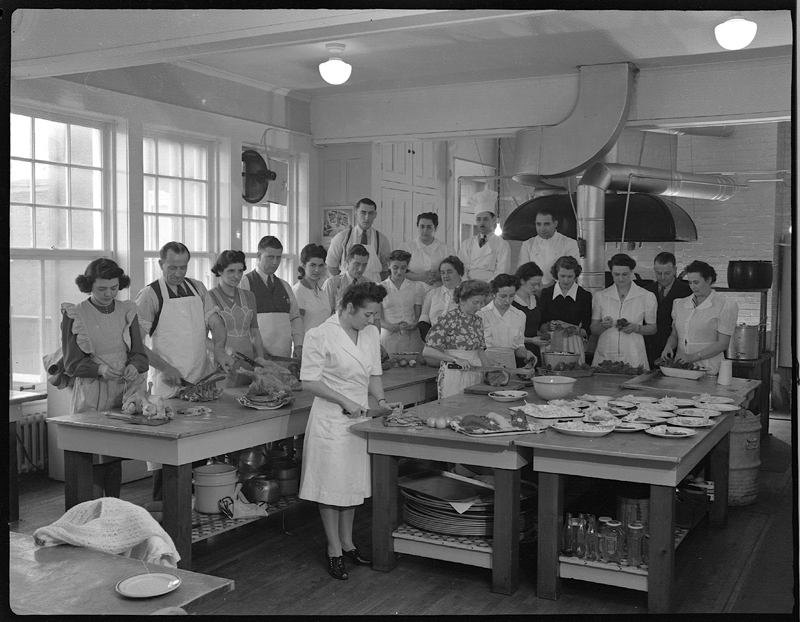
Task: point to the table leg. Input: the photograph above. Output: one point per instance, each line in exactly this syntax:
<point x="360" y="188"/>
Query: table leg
<point x="719" y="465"/>
<point x="177" y="503"/>
<point x="78" y="478"/>
<point x="505" y="542"/>
<point x="385" y="511"/>
<point x="551" y="508"/>
<point x="13" y="475"/>
<point x="661" y="571"/>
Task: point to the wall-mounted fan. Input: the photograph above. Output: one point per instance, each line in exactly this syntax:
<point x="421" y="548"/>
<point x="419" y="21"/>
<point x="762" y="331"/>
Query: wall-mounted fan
<point x="255" y="176"/>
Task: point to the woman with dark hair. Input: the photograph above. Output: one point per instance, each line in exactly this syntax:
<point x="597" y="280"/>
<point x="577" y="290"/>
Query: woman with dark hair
<point x="341" y="368"/>
<point x="103" y="351"/>
<point x="702" y="324"/>
<point x="311" y="298"/>
<point x="439" y="300"/>
<point x="427" y="252"/>
<point x="621" y="315"/>
<point x="458" y="338"/>
<point x="237" y="308"/>
<point x="504" y="325"/>
<point x="566" y="305"/>
<point x="401" y="308"/>
<point x="530" y="285"/>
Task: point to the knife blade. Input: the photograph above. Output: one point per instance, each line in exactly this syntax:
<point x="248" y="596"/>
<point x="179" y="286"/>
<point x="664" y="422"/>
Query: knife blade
<point x="371" y="412"/>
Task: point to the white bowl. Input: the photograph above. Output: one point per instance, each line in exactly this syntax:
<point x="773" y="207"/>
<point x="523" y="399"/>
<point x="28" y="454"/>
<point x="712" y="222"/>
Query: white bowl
<point x="553" y="387"/>
<point x="508" y="396"/>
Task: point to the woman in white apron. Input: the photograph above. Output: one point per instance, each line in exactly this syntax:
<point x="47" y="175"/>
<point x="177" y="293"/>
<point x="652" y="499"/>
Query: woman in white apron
<point x="702" y="324"/>
<point x="103" y="351"/>
<point x="341" y="368"/>
<point x="566" y="305"/>
<point x="458" y="339"/>
<point x="311" y="298"/>
<point x="624" y="300"/>
<point x="504" y="325"/>
<point x="237" y="308"/>
<point x="400" y="310"/>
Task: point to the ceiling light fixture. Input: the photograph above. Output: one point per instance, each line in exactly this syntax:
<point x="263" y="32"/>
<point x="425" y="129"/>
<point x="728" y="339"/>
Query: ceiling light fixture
<point x="735" y="33"/>
<point x="335" y="70"/>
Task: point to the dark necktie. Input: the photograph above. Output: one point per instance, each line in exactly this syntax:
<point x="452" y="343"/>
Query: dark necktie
<point x="661" y="293"/>
<point x="482" y="241"/>
<point x="364" y="238"/>
<point x="270" y="283"/>
<point x="182" y="292"/>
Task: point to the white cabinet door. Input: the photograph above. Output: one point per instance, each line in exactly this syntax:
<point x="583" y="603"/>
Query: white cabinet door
<point x="395" y="218"/>
<point x="425" y="156"/>
<point x="396" y="163"/>
<point x="422" y="202"/>
<point x="345" y="174"/>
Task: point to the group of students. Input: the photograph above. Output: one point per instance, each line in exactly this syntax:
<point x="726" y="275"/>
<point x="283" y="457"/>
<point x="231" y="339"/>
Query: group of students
<point x="410" y="299"/>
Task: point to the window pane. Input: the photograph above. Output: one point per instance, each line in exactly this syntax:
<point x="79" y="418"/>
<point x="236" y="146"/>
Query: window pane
<point x="169" y="196"/>
<point x="151" y="269"/>
<point x="87" y="230"/>
<point x="194" y="161"/>
<point x="20" y="136"/>
<point x="169" y="158"/>
<point x="50" y="140"/>
<point x="149" y="156"/>
<point x="150" y="233"/>
<point x="195" y="202"/>
<point x="149" y="194"/>
<point x="169" y="229"/>
<point x="279" y="212"/>
<point x="200" y="269"/>
<point x="280" y="231"/>
<point x="85" y="146"/>
<point x="21" y="226"/>
<point x="51" y="184"/>
<point x="86" y="188"/>
<point x="51" y="228"/>
<point x="20" y="182"/>
<point x="195" y="234"/>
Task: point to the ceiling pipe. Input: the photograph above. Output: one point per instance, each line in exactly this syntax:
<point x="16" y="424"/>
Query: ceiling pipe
<point x="603" y="176"/>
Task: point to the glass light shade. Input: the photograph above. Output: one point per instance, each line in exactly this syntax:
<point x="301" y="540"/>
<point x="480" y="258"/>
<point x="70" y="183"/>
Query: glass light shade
<point x="335" y="71"/>
<point x="735" y="33"/>
<point x="498" y="230"/>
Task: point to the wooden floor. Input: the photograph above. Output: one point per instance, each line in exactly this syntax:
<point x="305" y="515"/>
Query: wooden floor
<point x="278" y="562"/>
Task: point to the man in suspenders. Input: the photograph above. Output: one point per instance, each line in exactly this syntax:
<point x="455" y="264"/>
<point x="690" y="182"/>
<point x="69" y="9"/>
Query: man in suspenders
<point x="376" y="243"/>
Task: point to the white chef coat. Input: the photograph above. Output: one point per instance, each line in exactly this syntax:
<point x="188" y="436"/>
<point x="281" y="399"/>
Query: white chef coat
<point x="639" y="306"/>
<point x="545" y="252"/>
<point x="336" y="465"/>
<point x="437" y="302"/>
<point x="503" y="334"/>
<point x="697" y="327"/>
<point x="426" y="257"/>
<point x="313" y="303"/>
<point x="487" y="261"/>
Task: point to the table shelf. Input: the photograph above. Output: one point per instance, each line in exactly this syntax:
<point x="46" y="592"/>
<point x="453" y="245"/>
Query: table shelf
<point x="470" y="550"/>
<point x="205" y="526"/>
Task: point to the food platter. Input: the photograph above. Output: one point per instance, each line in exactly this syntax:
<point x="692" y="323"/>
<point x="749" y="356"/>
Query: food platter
<point x="643" y="417"/>
<point x="595" y="398"/>
<point x="569" y="403"/>
<point x="689" y="374"/>
<point x="577" y="428"/>
<point x="690" y="422"/>
<point x="600" y="418"/>
<point x="680" y="402"/>
<point x="621" y="404"/>
<point x="723" y="408"/>
<point x="628" y="426"/>
<point x="657" y="406"/>
<point x="534" y="427"/>
<point x="547" y="411"/>
<point x="697" y="412"/>
<point x="668" y="431"/>
<point x="713" y="399"/>
<point x="507" y="396"/>
<point x="638" y="399"/>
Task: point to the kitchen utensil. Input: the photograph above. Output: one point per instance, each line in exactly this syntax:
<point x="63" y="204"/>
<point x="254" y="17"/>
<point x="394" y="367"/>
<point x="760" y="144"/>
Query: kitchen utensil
<point x="243" y="357"/>
<point x="553" y="387"/>
<point x="186" y="383"/>
<point x="252" y="459"/>
<point x="749" y="275"/>
<point x="744" y="342"/>
<point x="261" y="488"/>
<point x="508" y="396"/>
<point x="287" y="472"/>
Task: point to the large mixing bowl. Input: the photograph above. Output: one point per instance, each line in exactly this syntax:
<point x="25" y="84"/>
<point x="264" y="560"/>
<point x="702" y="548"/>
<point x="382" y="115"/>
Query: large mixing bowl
<point x="553" y="387"/>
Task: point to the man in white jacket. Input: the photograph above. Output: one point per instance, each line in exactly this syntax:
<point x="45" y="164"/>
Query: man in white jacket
<point x="547" y="245"/>
<point x="485" y="255"/>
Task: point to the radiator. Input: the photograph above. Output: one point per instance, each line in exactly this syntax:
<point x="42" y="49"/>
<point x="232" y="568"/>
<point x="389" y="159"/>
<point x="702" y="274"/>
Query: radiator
<point x="32" y="440"/>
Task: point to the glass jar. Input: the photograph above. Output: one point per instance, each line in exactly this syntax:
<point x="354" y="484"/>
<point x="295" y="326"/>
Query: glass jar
<point x="634" y="541"/>
<point x="580" y="536"/>
<point x="568" y="538"/>
<point x="614" y="539"/>
<point x="591" y="539"/>
<point x="601" y="527"/>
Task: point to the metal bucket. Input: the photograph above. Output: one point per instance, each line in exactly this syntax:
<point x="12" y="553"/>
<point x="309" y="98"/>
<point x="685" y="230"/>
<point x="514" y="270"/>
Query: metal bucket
<point x="213" y="482"/>
<point x="744" y="459"/>
<point x="745" y="343"/>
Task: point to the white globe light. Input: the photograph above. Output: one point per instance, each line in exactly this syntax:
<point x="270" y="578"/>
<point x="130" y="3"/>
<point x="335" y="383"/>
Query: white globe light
<point x="735" y="33"/>
<point x="335" y="70"/>
<point x="498" y="230"/>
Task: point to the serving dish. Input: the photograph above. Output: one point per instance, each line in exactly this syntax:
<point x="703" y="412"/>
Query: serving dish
<point x="553" y="387"/>
<point x="148" y="585"/>
<point x="696" y="412"/>
<point x="690" y="374"/>
<point x="534" y="427"/>
<point x="508" y="396"/>
<point x="601" y="418"/>
<point x="690" y="422"/>
<point x="668" y="431"/>
<point x="577" y="428"/>
<point x="640" y="417"/>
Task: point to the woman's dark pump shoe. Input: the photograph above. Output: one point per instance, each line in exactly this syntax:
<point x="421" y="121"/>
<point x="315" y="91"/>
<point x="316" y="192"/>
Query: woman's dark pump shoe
<point x="336" y="568"/>
<point x="356" y="557"/>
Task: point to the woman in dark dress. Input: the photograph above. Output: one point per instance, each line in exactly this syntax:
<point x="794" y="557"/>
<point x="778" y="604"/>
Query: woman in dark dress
<point x="530" y="277"/>
<point x="567" y="305"/>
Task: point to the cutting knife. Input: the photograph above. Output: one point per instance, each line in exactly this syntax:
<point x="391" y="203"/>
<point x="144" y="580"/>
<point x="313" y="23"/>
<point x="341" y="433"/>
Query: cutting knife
<point x="372" y="412"/>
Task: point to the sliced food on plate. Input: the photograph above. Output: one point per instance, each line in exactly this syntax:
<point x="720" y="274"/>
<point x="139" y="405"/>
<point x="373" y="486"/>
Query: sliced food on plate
<point x="713" y="399"/>
<point x="621" y="404"/>
<point x="696" y="412"/>
<point x="494" y="423"/>
<point x="657" y="406"/>
<point x="569" y="403"/>
<point x="643" y="417"/>
<point x="723" y="408"/>
<point x="629" y="426"/>
<point x="546" y="411"/>
<point x="600" y="416"/>
<point x="595" y="398"/>
<point x="636" y="399"/>
<point x="668" y="431"/>
<point x="579" y="428"/>
<point x="691" y="422"/>
<point x="676" y="401"/>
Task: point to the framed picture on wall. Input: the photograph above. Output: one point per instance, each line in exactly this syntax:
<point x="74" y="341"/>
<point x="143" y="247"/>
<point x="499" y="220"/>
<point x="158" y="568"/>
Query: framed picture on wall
<point x="334" y="220"/>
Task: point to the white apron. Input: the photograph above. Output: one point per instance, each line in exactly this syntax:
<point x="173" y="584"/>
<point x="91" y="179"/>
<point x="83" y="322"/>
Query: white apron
<point x="690" y="347"/>
<point x="373" y="269"/>
<point x="454" y="381"/>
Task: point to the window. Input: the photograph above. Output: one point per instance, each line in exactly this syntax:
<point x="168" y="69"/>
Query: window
<point x="58" y="224"/>
<point x="272" y="216"/>
<point x="178" y="202"/>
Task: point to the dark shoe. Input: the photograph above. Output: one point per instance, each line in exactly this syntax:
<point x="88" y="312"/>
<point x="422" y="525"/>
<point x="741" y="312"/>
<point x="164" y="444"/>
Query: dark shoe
<point x="336" y="568"/>
<point x="356" y="557"/>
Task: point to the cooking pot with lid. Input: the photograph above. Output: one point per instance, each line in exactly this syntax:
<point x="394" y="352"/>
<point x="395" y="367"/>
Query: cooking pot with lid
<point x="744" y="343"/>
<point x="261" y="488"/>
<point x="749" y="275"/>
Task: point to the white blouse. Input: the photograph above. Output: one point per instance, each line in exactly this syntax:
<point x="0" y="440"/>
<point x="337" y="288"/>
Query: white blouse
<point x="437" y="302"/>
<point x="398" y="306"/>
<point x="314" y="305"/>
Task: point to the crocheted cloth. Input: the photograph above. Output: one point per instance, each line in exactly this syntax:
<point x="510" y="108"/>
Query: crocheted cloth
<point x="106" y="524"/>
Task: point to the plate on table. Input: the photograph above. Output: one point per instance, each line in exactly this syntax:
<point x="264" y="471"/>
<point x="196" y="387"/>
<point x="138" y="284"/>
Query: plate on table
<point x="637" y="399"/>
<point x="689" y="374"/>
<point x="533" y="427"/>
<point x="713" y="399"/>
<point x="657" y="406"/>
<point x="690" y="422"/>
<point x="643" y="417"/>
<point x="547" y="412"/>
<point x="595" y="398"/>
<point x="680" y="402"/>
<point x="668" y="431"/>
<point x="148" y="585"/>
<point x="601" y="417"/>
<point x="507" y="396"/>
<point x="578" y="428"/>
<point x="569" y="403"/>
<point x="723" y="408"/>
<point x="621" y="404"/>
<point x="696" y="412"/>
<point x="629" y="426"/>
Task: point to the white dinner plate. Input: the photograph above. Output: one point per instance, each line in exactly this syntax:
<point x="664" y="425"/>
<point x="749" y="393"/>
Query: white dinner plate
<point x="680" y="402"/>
<point x="690" y="422"/>
<point x="643" y="417"/>
<point x="569" y="403"/>
<point x="668" y="431"/>
<point x="723" y="408"/>
<point x="571" y="428"/>
<point x="621" y="404"/>
<point x="148" y="585"/>
<point x="629" y="426"/>
<point x="603" y="419"/>
<point x="713" y="399"/>
<point x="658" y="406"/>
<point x="697" y="412"/>
<point x="595" y="398"/>
<point x="636" y="399"/>
<point x="507" y="396"/>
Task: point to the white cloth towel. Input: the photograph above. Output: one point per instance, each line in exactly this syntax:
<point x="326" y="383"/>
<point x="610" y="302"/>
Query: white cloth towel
<point x="113" y="526"/>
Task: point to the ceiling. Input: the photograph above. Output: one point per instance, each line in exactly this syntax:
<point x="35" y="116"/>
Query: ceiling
<point x="279" y="49"/>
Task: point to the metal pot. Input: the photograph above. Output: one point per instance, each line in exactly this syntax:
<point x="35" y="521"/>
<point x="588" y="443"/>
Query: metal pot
<point x="747" y="275"/>
<point x="261" y="488"/>
<point x="287" y="472"/>
<point x="744" y="343"/>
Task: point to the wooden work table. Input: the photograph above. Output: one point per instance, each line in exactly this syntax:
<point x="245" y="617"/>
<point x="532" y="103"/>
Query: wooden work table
<point x="184" y="440"/>
<point x="15" y="401"/>
<point x="73" y="580"/>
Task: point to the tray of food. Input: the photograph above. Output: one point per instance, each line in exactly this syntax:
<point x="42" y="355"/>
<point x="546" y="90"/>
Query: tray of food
<point x="494" y="424"/>
<point x="547" y="411"/>
<point x="579" y="428"/>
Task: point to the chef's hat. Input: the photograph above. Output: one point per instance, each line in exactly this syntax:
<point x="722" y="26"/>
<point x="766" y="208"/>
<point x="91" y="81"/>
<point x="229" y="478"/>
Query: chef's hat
<point x="483" y="201"/>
